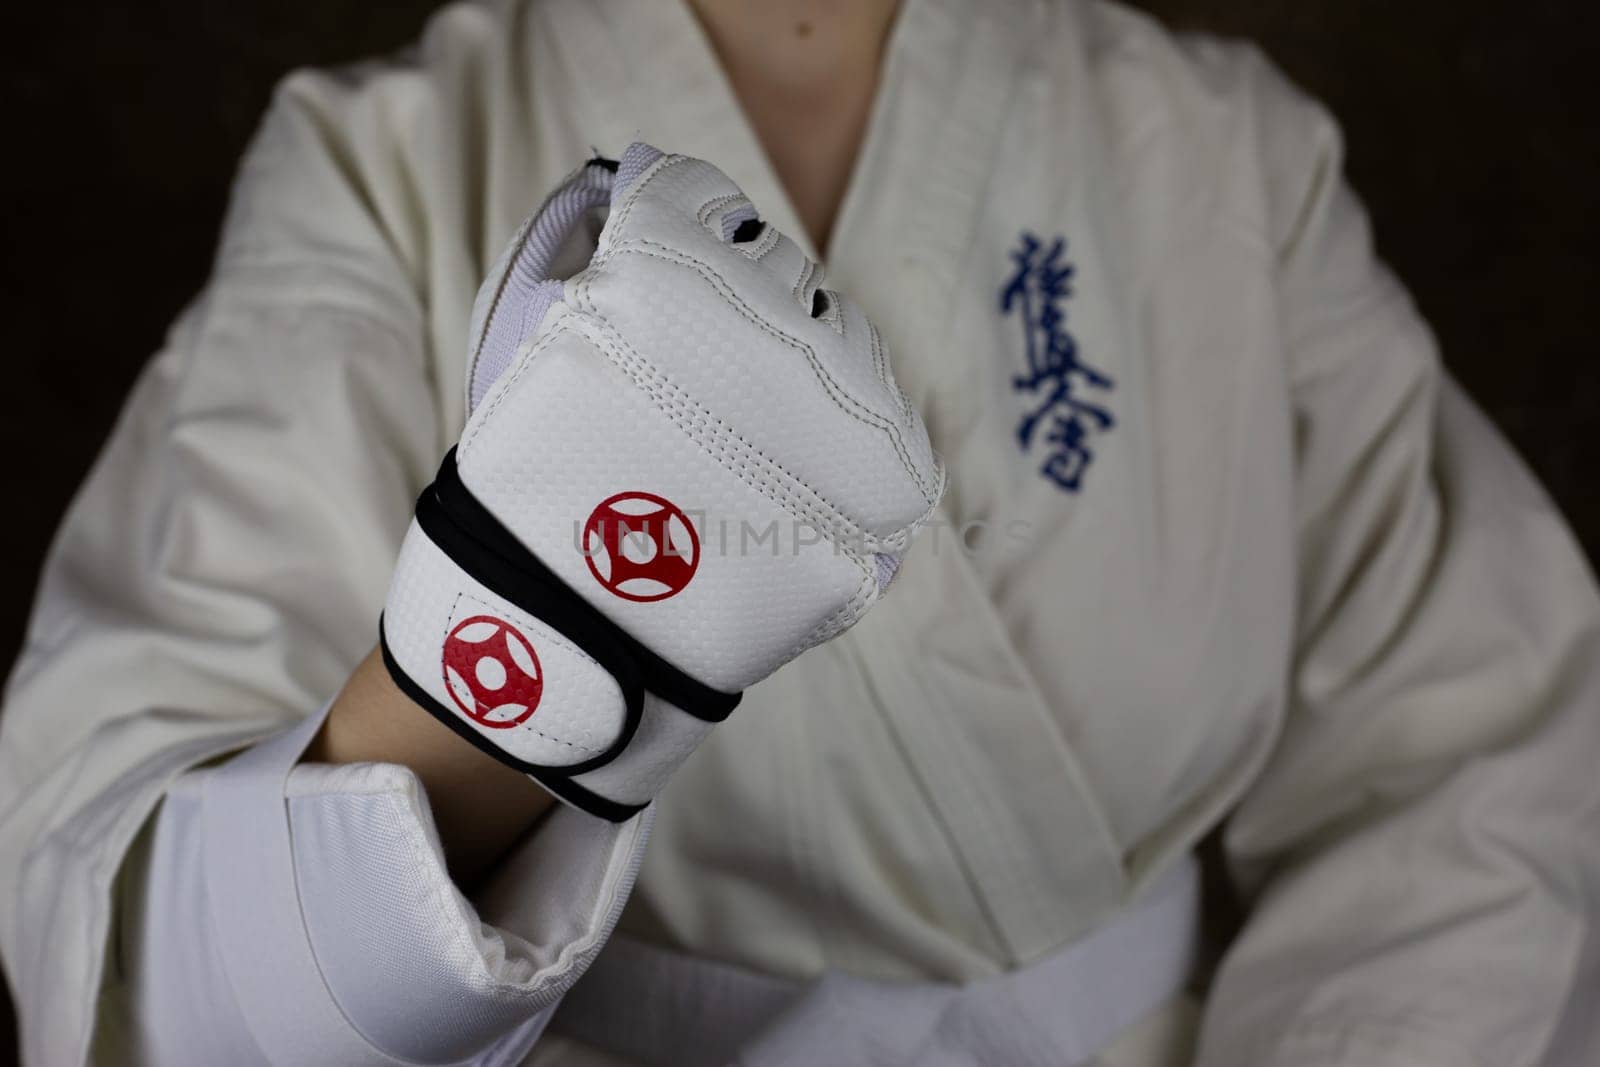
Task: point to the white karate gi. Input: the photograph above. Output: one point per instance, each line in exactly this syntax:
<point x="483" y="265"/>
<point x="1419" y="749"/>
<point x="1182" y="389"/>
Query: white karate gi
<point x="1238" y="546"/>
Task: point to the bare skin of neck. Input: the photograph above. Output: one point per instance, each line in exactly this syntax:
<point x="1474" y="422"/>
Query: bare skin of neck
<point x="806" y="73"/>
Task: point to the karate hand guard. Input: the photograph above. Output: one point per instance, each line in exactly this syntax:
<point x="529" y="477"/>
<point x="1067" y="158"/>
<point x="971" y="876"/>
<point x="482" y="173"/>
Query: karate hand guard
<point x="685" y="464"/>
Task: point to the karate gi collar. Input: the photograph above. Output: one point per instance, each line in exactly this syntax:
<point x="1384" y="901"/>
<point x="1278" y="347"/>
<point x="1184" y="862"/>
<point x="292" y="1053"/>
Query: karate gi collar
<point x="950" y="70"/>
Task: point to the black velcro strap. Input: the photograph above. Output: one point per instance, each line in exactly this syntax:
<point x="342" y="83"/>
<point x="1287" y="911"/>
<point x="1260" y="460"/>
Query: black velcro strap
<point x="478" y="543"/>
<point x="482" y="546"/>
<point x="554" y="779"/>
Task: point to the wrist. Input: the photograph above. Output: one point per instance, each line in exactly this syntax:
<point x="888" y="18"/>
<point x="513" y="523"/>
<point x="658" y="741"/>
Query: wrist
<point x="480" y="806"/>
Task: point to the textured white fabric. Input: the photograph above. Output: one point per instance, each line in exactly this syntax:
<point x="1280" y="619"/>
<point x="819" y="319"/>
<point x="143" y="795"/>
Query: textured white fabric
<point x="580" y="711"/>
<point x="1301" y="580"/>
<point x="666" y="736"/>
<point x="749" y="607"/>
<point x="395" y="965"/>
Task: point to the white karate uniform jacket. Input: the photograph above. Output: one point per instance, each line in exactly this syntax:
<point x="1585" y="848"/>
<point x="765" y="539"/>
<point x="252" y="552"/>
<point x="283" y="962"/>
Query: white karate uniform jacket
<point x="1238" y="548"/>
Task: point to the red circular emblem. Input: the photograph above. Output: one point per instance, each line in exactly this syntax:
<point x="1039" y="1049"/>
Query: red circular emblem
<point x="641" y="546"/>
<point x="492" y="672"/>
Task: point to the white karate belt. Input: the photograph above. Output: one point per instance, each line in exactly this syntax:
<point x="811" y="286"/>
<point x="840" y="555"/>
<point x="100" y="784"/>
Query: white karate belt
<point x="663" y="1007"/>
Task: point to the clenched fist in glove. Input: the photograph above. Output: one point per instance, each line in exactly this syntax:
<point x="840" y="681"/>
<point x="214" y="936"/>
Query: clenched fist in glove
<point x="685" y="464"/>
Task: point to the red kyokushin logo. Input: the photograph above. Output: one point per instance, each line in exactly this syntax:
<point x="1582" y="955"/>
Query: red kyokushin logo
<point x="492" y="672"/>
<point x="641" y="546"/>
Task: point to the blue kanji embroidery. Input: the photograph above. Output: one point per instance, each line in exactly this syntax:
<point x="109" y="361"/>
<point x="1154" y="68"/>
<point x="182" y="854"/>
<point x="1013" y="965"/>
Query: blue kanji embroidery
<point x="1059" y="384"/>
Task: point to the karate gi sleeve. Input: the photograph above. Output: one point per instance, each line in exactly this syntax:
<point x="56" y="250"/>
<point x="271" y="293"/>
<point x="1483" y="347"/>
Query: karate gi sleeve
<point x="402" y="967"/>
<point x="215" y="580"/>
<point x="1423" y="847"/>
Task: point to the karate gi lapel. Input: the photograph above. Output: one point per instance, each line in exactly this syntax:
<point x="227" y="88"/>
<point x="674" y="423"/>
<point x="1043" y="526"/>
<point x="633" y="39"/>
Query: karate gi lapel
<point x="934" y="660"/>
<point x="983" y="742"/>
<point x="666" y="87"/>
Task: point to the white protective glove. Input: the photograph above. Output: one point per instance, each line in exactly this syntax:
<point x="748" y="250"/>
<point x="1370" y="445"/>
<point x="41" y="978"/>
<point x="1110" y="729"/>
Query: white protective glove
<point x="685" y="464"/>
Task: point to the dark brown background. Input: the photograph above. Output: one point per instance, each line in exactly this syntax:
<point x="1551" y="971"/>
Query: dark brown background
<point x="1469" y="137"/>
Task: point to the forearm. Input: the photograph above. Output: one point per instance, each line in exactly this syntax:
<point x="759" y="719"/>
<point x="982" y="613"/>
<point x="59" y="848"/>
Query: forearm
<point x="481" y="807"/>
